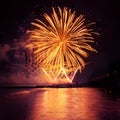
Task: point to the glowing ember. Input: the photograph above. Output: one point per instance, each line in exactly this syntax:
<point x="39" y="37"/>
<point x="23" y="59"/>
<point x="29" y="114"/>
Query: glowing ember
<point x="60" y="44"/>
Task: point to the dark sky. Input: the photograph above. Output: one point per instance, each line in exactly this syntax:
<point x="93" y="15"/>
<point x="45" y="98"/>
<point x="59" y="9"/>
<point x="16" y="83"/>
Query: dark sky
<point x="16" y="16"/>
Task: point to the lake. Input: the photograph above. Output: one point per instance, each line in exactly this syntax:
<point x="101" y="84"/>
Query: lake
<point x="59" y="104"/>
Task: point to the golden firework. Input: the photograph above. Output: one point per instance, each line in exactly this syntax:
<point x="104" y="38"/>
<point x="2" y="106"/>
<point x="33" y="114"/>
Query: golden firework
<point x="60" y="43"/>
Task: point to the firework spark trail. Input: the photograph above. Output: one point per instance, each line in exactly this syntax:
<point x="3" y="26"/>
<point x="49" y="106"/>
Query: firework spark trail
<point x="61" y="42"/>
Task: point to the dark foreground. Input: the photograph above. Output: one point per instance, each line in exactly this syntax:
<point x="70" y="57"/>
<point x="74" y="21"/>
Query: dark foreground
<point x="59" y="104"/>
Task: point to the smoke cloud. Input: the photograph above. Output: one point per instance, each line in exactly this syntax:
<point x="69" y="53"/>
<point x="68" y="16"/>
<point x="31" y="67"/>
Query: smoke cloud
<point x="12" y="73"/>
<point x="3" y="52"/>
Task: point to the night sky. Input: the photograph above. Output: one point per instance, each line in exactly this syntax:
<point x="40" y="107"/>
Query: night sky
<point x="16" y="16"/>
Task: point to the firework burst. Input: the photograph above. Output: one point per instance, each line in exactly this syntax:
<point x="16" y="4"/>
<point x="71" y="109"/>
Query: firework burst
<point x="60" y="43"/>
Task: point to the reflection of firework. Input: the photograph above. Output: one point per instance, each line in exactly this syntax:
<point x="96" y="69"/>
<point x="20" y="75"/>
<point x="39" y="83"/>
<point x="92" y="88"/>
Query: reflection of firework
<point x="60" y="43"/>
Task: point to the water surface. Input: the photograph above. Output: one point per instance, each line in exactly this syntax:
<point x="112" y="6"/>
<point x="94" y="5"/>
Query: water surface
<point x="59" y="104"/>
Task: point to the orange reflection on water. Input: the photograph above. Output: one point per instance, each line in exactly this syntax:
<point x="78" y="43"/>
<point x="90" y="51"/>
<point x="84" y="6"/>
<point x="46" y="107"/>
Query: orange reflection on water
<point x="68" y="104"/>
<point x="51" y="105"/>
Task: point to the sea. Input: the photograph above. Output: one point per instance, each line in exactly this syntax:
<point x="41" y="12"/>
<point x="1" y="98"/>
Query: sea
<point x="59" y="104"/>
